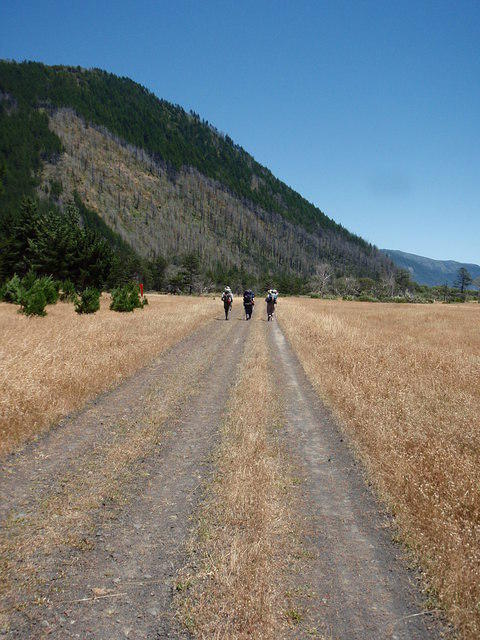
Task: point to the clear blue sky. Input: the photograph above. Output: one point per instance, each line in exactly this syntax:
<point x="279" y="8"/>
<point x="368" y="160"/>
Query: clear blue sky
<point x="370" y="109"/>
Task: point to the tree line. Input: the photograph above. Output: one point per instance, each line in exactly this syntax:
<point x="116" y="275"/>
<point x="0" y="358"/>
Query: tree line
<point x="397" y="286"/>
<point x="66" y="247"/>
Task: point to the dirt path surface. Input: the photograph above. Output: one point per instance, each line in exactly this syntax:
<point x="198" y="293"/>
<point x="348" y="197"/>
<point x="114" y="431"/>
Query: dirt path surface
<point x="94" y="519"/>
<point x="95" y="516"/>
<point x="356" y="580"/>
<point x="26" y="475"/>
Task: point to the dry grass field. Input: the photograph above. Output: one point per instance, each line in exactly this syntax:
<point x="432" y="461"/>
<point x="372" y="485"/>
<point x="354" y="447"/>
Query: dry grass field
<point x="404" y="380"/>
<point x="53" y="365"/>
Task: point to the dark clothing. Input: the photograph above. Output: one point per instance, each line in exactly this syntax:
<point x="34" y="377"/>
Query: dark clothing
<point x="248" y="310"/>
<point x="227" y="302"/>
<point x="248" y="296"/>
<point x="271" y="302"/>
<point x="227" y="306"/>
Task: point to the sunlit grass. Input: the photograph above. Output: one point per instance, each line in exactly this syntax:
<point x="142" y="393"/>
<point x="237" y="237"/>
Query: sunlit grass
<point x="405" y="383"/>
<point x="50" y="366"/>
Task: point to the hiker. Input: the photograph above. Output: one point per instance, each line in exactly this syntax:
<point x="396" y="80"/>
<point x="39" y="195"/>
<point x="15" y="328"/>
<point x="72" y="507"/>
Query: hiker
<point x="248" y="302"/>
<point x="227" y="299"/>
<point x="271" y="300"/>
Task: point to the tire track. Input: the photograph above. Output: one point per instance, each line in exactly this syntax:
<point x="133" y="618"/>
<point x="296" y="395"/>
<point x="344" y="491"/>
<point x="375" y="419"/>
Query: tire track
<point x="29" y="474"/>
<point x="135" y="549"/>
<point x="362" y="589"/>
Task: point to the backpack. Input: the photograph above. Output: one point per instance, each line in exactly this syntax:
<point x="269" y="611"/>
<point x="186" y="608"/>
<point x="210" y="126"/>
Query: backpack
<point x="270" y="298"/>
<point x="228" y="298"/>
<point x="247" y="297"/>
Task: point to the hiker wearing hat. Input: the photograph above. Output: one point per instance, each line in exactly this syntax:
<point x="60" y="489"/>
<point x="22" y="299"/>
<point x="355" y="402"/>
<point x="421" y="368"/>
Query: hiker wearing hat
<point x="271" y="301"/>
<point x="227" y="299"/>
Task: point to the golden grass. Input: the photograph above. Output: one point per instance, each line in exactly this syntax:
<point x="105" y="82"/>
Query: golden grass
<point x="405" y="382"/>
<point x="234" y="589"/>
<point x="53" y="365"/>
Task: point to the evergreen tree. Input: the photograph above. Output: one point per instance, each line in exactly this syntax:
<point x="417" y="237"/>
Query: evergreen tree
<point x="55" y="244"/>
<point x="403" y="280"/>
<point x="463" y="280"/>
<point x="190" y="271"/>
<point x="445" y="292"/>
<point x="52" y="243"/>
<point x="158" y="269"/>
<point x="18" y="230"/>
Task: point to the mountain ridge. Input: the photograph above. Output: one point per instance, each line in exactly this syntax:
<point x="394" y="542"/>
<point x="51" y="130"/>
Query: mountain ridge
<point x="430" y="271"/>
<point x="177" y="142"/>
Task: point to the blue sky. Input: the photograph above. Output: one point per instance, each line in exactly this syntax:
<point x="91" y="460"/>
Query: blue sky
<point x="371" y="110"/>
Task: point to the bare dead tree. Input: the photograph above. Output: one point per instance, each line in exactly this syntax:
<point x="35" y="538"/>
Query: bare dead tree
<point x="321" y="278"/>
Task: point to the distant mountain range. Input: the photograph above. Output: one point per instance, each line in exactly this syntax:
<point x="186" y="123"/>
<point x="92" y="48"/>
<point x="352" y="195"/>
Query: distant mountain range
<point x="429" y="271"/>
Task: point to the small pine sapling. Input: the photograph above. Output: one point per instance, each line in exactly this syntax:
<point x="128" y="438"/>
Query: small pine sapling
<point x="34" y="301"/>
<point x="12" y="290"/>
<point x="67" y="291"/>
<point x="121" y="300"/>
<point x="134" y="295"/>
<point x="50" y="288"/>
<point x="126" y="298"/>
<point x="89" y="301"/>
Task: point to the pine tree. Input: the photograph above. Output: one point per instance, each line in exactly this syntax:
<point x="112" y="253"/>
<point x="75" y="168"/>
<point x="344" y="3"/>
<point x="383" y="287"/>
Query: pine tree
<point x="158" y="268"/>
<point x="54" y="247"/>
<point x="464" y="279"/>
<point x="190" y="271"/>
<point x="19" y="229"/>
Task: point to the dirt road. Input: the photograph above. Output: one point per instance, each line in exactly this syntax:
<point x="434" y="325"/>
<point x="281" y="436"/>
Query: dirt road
<point x="130" y="517"/>
<point x="362" y="587"/>
<point x="96" y="514"/>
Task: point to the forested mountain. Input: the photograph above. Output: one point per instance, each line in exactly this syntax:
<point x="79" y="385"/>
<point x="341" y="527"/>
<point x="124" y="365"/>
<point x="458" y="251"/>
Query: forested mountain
<point x="159" y="182"/>
<point x="431" y="272"/>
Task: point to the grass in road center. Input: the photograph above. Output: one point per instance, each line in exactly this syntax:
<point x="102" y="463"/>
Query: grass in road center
<point x="405" y="382"/>
<point x="52" y="365"/>
<point x="234" y="587"/>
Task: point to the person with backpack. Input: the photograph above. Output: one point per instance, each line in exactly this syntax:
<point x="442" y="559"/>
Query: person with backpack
<point x="248" y="303"/>
<point x="271" y="300"/>
<point x="227" y="299"/>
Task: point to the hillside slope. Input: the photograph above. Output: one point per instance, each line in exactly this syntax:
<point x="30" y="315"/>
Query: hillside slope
<point x="428" y="271"/>
<point x="136" y="197"/>
<point x="166" y="181"/>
